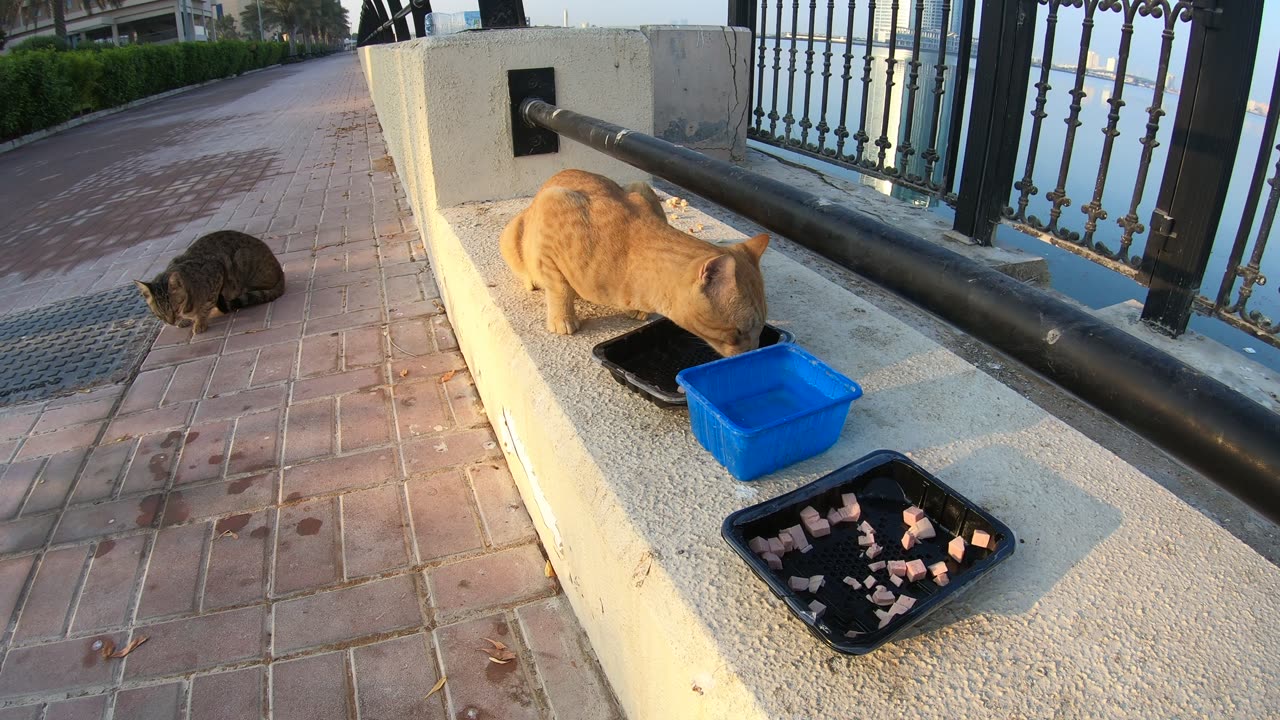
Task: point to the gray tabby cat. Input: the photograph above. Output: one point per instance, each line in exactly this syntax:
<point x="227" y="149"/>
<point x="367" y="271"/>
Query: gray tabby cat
<point x="226" y="270"/>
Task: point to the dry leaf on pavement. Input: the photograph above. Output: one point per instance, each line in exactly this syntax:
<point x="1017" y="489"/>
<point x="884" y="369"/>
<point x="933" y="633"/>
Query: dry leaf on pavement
<point x="106" y="647"/>
<point x="133" y="645"/>
<point x="448" y="376"/>
<point x="500" y="654"/>
<point x="439" y="684"/>
<point x="404" y="373"/>
<point x="548" y="570"/>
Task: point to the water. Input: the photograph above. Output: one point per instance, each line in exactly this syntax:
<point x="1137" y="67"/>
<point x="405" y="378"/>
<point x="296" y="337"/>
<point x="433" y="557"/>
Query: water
<point x="773" y="403"/>
<point x="1121" y="192"/>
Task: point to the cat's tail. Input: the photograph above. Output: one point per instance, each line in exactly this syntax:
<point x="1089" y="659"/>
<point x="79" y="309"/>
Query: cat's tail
<point x="512" y="246"/>
<point x="257" y="297"/>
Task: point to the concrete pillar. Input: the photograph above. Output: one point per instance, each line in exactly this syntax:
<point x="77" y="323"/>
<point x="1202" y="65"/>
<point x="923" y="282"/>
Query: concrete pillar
<point x="177" y="19"/>
<point x="115" y="33"/>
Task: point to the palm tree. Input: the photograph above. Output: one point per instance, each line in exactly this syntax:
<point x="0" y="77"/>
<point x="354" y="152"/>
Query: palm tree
<point x="13" y="12"/>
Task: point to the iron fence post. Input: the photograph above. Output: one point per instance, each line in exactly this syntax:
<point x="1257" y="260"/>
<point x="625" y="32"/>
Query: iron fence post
<point x="401" y="27"/>
<point x="1006" y="36"/>
<point x="420" y="12"/>
<point x="1221" y="52"/>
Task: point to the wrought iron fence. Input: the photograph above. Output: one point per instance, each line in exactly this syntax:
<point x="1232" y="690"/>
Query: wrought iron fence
<point x="900" y="119"/>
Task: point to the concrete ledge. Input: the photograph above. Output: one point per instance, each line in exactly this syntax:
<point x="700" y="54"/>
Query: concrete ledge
<point x="1123" y="601"/>
<point x="29" y="138"/>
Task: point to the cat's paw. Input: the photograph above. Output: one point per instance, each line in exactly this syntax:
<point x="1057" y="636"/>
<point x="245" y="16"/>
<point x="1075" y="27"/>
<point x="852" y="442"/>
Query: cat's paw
<point x="184" y="323"/>
<point x="564" y="326"/>
<point x="529" y="286"/>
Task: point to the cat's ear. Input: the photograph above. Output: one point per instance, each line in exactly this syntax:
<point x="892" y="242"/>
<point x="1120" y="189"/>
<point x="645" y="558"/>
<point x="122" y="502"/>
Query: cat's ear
<point x="177" y="290"/>
<point x="717" y="274"/>
<point x="143" y="288"/>
<point x="755" y="247"/>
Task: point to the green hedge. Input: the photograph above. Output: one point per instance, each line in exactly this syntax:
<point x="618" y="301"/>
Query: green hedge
<point x="42" y="88"/>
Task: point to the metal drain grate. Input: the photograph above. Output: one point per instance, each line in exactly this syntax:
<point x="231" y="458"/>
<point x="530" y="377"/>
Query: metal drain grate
<point x="72" y="345"/>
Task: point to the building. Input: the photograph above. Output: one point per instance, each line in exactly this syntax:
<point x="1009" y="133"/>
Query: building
<point x="134" y="21"/>
<point x="930" y="20"/>
<point x="1111" y="64"/>
<point x="1094" y="61"/>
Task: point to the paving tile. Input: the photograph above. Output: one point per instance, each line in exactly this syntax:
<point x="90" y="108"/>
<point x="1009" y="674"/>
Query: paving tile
<point x="102" y="473"/>
<point x="311" y="431"/>
<point x="344" y="321"/>
<point x="249" y="319"/>
<point x="153" y="462"/>
<point x="373" y="531"/>
<point x="574" y="687"/>
<point x="51" y="490"/>
<point x="148" y="421"/>
<point x="58" y="666"/>
<point x="393" y="678"/>
<point x="275" y="363"/>
<point x="15" y="483"/>
<point x="433" y="367"/>
<point x="277" y="334"/>
<point x="233" y="373"/>
<point x="173" y="573"/>
<point x="443" y="333"/>
<point x="449" y="450"/>
<point x="204" y="452"/>
<point x="412" y="338"/>
<point x="361" y="469"/>
<point x="313" y="688"/>
<point x="234" y="405"/>
<point x="325" y="302"/>
<point x="363" y="296"/>
<point x="238" y="559"/>
<point x="292" y="307"/>
<point x="365" y="419"/>
<point x="478" y="688"/>
<point x="57" y="418"/>
<point x="75" y="437"/>
<point x="27" y="533"/>
<point x="24" y="712"/>
<point x="421" y="409"/>
<point x="444" y="523"/>
<point x="464" y="401"/>
<point x="87" y="708"/>
<point x="182" y="353"/>
<point x="227" y="696"/>
<point x="13" y="575"/>
<point x="347" y="614"/>
<point x="242" y="495"/>
<point x="363" y="346"/>
<point x="147" y="391"/>
<point x="109" y="587"/>
<point x="154" y="702"/>
<point x="308" y="547"/>
<point x="15" y="425"/>
<point x="499" y="578"/>
<point x="181" y="646"/>
<point x="321" y="355"/>
<point x="189" y="381"/>
<point x="338" y="383"/>
<point x="44" y="614"/>
<point x="256" y="445"/>
<point x="502" y="512"/>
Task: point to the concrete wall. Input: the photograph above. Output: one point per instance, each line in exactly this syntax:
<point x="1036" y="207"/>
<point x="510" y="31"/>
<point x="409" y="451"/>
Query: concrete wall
<point x="445" y="110"/>
<point x="701" y="91"/>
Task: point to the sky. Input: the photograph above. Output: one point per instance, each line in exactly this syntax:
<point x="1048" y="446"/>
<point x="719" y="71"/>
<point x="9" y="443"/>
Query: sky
<point x="1144" y="56"/>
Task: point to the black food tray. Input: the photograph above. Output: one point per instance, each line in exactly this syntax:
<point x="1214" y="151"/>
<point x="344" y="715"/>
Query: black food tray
<point x="886" y="483"/>
<point x="647" y="359"/>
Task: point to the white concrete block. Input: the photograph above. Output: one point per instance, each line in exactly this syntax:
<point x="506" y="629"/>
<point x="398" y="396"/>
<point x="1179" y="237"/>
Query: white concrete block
<point x="445" y="110"/>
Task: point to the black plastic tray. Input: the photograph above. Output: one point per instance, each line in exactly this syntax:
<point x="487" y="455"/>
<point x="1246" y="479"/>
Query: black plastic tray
<point x="647" y="359"/>
<point x="886" y="483"/>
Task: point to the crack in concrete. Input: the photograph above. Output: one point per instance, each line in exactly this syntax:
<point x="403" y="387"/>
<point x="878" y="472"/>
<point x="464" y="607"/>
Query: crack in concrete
<point x="737" y="100"/>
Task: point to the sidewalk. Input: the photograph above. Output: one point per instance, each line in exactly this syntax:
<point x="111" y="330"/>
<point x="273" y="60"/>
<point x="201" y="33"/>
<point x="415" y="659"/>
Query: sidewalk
<point x="303" y="511"/>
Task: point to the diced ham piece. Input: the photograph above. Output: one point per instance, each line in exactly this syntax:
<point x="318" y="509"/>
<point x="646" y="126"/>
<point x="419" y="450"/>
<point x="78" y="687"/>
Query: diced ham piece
<point x="924" y="529"/>
<point x="897" y="581"/>
<point x="955" y="549"/>
<point x="758" y="545"/>
<point x="798" y="583"/>
<point x="912" y="515"/>
<point x="938" y="568"/>
<point x="916" y="570"/>
<point x="908" y="540"/>
<point x="874" y="551"/>
<point x="851" y="582"/>
<point x="817" y="609"/>
<point x="797" y="535"/>
<point x="898" y="568"/>
<point x="835" y="516"/>
<point x="777" y="546"/>
<point x="885" y="616"/>
<point x="870" y="582"/>
<point x="942" y="580"/>
<point x="852" y="634"/>
<point x="804" y="550"/>
<point x="815" y="582"/>
<point x="905" y="602"/>
<point x="882" y="596"/>
<point x="809" y="513"/>
<point x="982" y="539"/>
<point x="820" y="528"/>
<point x="866" y="528"/>
<point x="775" y="562"/>
<point x="877" y="566"/>
<point x="865" y="540"/>
<point x="848" y="499"/>
<point x="851" y="513"/>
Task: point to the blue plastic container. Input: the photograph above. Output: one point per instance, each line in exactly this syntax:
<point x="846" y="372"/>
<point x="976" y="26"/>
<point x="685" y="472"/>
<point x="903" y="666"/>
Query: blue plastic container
<point x="766" y="409"/>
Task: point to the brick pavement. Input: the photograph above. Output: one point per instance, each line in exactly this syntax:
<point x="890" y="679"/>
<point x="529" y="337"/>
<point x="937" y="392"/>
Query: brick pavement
<point x="303" y="511"/>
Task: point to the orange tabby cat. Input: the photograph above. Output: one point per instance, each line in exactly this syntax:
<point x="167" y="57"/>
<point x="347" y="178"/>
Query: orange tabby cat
<point x="586" y="237"/>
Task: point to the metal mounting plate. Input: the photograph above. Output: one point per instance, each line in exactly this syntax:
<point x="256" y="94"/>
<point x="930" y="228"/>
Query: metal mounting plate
<point x="537" y="83"/>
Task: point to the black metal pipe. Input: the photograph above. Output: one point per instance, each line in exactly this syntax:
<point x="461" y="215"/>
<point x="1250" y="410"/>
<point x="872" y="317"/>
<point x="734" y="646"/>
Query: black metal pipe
<point x="1231" y="439"/>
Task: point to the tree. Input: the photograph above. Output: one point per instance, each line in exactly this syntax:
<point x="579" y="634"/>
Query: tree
<point x="24" y="12"/>
<point x="224" y="28"/>
<point x="249" y="21"/>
